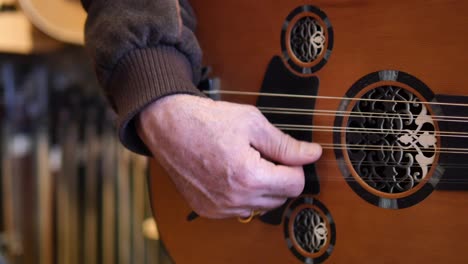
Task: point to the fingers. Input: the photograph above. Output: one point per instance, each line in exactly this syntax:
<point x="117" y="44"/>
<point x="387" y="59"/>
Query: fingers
<point x="260" y="204"/>
<point x="280" y="180"/>
<point x="266" y="203"/>
<point x="280" y="147"/>
<point x="263" y="186"/>
<point x="260" y="177"/>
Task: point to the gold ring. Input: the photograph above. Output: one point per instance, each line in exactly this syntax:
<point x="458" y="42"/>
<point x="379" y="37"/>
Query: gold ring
<point x="252" y="215"/>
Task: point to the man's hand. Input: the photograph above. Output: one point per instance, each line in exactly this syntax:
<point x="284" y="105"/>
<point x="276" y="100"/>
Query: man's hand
<point x="221" y="156"/>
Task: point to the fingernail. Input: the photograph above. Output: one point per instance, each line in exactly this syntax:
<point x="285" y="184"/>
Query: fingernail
<point x="314" y="150"/>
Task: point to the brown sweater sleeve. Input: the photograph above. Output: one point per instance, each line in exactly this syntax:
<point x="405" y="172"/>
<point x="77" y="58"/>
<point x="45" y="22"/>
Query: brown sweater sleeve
<point x="142" y="50"/>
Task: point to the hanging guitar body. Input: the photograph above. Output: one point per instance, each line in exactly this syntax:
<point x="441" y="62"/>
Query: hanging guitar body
<point x="382" y="86"/>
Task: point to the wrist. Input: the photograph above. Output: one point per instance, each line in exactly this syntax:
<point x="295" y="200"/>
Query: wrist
<point x="159" y="112"/>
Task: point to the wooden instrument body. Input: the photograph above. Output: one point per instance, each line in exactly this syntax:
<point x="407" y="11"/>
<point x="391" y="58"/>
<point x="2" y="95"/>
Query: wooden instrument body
<point x="424" y="38"/>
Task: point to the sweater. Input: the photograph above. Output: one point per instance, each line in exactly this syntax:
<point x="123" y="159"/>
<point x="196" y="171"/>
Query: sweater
<point x="142" y="50"/>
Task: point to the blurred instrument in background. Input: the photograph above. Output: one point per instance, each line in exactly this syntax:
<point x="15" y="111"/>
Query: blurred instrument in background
<point x="69" y="192"/>
<point x="61" y="19"/>
<point x="38" y="26"/>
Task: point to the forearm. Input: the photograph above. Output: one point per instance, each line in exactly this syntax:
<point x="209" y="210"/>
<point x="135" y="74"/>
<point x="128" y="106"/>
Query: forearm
<point x="143" y="51"/>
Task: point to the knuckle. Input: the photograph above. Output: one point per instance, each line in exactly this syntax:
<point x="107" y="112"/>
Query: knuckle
<point x="246" y="178"/>
<point x="251" y="109"/>
<point x="282" y="147"/>
<point x="234" y="200"/>
<point x="254" y="114"/>
<point x="255" y="121"/>
<point x="230" y="196"/>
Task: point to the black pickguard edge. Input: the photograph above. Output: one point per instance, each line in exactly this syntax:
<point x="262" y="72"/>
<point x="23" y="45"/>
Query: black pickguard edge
<point x="455" y="177"/>
<point x="278" y="79"/>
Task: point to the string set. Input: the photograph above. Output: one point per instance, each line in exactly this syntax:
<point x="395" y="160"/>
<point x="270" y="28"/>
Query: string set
<point x="407" y="117"/>
<point x="215" y="92"/>
<point x="357" y="147"/>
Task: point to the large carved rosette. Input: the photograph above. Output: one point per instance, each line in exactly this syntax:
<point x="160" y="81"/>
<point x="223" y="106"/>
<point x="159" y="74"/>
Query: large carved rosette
<point x="388" y="142"/>
<point x="391" y="139"/>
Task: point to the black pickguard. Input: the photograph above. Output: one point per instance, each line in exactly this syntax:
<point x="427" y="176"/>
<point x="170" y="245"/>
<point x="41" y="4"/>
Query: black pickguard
<point x="278" y="79"/>
<point x="455" y="176"/>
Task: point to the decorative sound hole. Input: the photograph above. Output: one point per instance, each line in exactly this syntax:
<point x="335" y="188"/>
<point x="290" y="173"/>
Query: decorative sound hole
<point x="307" y="39"/>
<point x="310" y="230"/>
<point x="391" y="139"/>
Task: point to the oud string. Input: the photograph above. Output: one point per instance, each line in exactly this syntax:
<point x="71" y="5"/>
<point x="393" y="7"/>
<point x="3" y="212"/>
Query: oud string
<point x="401" y="116"/>
<point x="215" y="92"/>
<point x="385" y="131"/>
<point x="402" y="180"/>
<point x="316" y="112"/>
<point x="396" y="164"/>
<point x="354" y="146"/>
<point x="392" y="148"/>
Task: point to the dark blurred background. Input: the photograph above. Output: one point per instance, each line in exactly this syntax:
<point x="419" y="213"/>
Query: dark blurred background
<point x="70" y="193"/>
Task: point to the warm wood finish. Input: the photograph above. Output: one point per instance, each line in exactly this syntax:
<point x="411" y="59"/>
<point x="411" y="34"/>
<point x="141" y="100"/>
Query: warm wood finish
<point x="425" y="38"/>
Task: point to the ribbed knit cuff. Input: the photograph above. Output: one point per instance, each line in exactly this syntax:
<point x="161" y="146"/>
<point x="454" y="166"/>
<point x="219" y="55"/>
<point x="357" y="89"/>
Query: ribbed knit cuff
<point x="142" y="77"/>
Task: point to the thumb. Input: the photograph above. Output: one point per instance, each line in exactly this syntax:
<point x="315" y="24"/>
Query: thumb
<point x="277" y="146"/>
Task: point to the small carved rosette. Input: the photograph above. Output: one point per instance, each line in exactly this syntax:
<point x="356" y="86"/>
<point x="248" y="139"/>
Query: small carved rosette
<point x="309" y="230"/>
<point x="306" y="40"/>
<point x="388" y="141"/>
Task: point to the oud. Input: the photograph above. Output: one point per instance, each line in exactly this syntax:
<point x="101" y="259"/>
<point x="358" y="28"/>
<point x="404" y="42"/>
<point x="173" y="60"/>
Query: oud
<point x="381" y="85"/>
